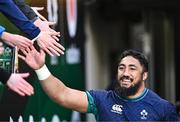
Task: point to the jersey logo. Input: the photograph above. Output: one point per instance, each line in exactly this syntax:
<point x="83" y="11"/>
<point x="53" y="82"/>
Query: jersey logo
<point x="117" y="108"/>
<point x="144" y="114"/>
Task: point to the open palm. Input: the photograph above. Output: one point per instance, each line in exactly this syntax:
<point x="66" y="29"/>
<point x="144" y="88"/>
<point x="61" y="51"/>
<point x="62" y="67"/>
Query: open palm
<point x="33" y="58"/>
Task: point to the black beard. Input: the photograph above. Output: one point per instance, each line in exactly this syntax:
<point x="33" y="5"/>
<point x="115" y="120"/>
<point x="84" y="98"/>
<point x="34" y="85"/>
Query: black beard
<point x="124" y="92"/>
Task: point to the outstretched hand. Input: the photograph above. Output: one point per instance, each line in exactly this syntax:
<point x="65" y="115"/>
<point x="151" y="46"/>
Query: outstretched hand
<point x="49" y="44"/>
<point x="48" y="38"/>
<point x="16" y="40"/>
<point x="45" y="26"/>
<point x="18" y="84"/>
<point x="33" y="58"/>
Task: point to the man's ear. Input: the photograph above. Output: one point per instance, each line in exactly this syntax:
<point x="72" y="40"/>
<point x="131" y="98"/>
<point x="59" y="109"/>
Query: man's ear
<point x="145" y="76"/>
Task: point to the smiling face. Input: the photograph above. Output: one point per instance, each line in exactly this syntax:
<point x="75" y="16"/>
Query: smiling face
<point x="130" y="76"/>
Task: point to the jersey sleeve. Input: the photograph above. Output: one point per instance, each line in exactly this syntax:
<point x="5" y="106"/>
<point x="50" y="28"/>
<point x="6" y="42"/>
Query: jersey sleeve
<point x="26" y="9"/>
<point x="91" y="104"/>
<point x="171" y="114"/>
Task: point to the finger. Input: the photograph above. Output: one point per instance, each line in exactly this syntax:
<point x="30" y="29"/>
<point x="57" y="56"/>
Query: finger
<point x="10" y="44"/>
<point x="18" y="92"/>
<point x="25" y="83"/>
<point x="23" y="46"/>
<point x="41" y="42"/>
<point x="21" y="57"/>
<point x="58" y="33"/>
<point x="55" y="38"/>
<point x="51" y="30"/>
<point x="58" y="49"/>
<point x="24" y="75"/>
<point x="42" y="52"/>
<point x="51" y="23"/>
<point x="32" y="48"/>
<point x="24" y="51"/>
<point x="24" y="90"/>
<point x="28" y="87"/>
<point x="39" y="8"/>
<point x="53" y="51"/>
<point x="61" y="52"/>
<point x="59" y="46"/>
<point x="28" y="49"/>
<point x="42" y="18"/>
<point x="47" y="51"/>
<point x="28" y="41"/>
<point x="54" y="33"/>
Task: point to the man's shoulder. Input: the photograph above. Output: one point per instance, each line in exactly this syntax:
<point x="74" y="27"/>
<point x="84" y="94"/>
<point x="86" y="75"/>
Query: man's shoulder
<point x="156" y="100"/>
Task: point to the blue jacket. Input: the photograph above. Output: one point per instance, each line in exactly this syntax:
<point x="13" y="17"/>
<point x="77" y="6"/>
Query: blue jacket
<point x="26" y="9"/>
<point x="2" y="29"/>
<point x="14" y="14"/>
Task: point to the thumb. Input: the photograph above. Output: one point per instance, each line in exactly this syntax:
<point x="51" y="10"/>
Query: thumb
<point x="38" y="8"/>
<point x="42" y="52"/>
<point x="54" y="33"/>
<point x="24" y="75"/>
<point x="51" y="23"/>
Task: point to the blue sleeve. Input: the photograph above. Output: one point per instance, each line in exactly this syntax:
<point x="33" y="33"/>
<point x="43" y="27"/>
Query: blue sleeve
<point x="10" y="10"/>
<point x="2" y="29"/>
<point x="26" y="9"/>
<point x="91" y="104"/>
<point x="171" y="114"/>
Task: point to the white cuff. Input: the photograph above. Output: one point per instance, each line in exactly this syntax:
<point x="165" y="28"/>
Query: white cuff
<point x="43" y="73"/>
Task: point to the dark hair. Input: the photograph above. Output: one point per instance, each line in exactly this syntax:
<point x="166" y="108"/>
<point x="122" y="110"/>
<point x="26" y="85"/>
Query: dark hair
<point x="137" y="55"/>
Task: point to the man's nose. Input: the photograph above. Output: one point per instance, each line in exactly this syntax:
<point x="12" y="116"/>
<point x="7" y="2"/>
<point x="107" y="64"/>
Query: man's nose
<point x="126" y="72"/>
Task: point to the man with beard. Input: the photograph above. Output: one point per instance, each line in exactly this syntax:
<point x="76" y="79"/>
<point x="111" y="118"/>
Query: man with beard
<point x="130" y="101"/>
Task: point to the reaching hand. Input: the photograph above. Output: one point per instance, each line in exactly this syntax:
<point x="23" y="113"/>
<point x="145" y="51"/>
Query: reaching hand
<point x="33" y="58"/>
<point x="36" y="9"/>
<point x="1" y="48"/>
<point x="17" y="83"/>
<point x="48" y="37"/>
<point x="16" y="40"/>
<point x="49" y="44"/>
<point x="45" y="26"/>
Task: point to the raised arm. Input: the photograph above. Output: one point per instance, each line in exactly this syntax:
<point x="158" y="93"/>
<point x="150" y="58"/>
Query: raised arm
<point x="55" y="88"/>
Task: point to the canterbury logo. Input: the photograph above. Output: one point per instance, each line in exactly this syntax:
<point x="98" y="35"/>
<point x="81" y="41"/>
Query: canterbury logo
<point x="117" y="108"/>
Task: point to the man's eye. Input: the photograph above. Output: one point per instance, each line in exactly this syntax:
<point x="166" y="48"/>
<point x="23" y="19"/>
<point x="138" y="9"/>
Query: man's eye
<point x="121" y="68"/>
<point x="133" y="68"/>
